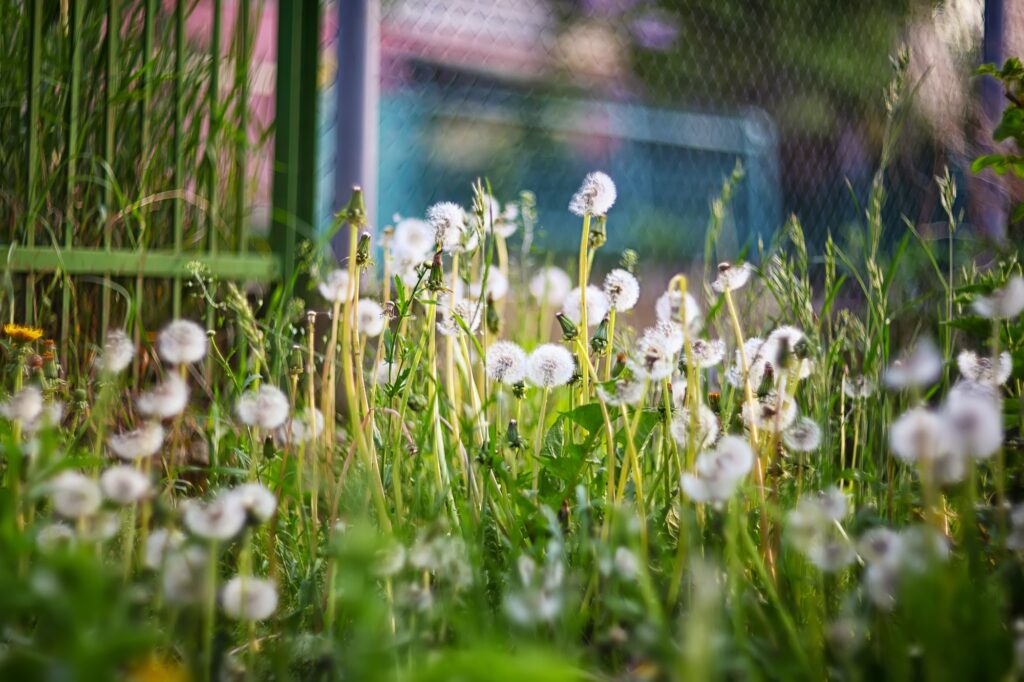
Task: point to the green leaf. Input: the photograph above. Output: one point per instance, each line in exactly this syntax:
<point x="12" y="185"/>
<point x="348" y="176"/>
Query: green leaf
<point x="588" y="416"/>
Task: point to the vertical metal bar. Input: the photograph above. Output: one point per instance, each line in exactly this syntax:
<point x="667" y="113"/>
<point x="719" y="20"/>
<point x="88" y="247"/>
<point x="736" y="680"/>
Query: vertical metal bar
<point x="32" y="194"/>
<point x="149" y="77"/>
<point x="306" y="167"/>
<point x="242" y="142"/>
<point x="356" y="113"/>
<point x="179" y="140"/>
<point x="286" y="123"/>
<point x="110" y="130"/>
<point x="991" y="198"/>
<point x="213" y="103"/>
<point x="74" y="105"/>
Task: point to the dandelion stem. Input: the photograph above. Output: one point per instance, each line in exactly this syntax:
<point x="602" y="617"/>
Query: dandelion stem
<point x="583" y="328"/>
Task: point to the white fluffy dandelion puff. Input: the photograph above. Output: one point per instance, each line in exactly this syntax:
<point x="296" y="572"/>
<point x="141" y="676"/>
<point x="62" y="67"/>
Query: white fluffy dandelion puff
<point x="506" y="362"/>
<point x="732" y="277"/>
<point x="1004" y="303"/>
<point x="708" y="353"/>
<point x="182" y="342"/>
<point x="266" y="407"/>
<point x="550" y="286"/>
<point x="922" y="437"/>
<point x="166" y="400"/>
<point x="978" y="368"/>
<point x="549" y="366"/>
<point x="595" y="196"/>
<point x="918" y="368"/>
<point x="74" y="495"/>
<point x="123" y="484"/>
<point x="622" y="289"/>
<point x="335" y="287"/>
<point x="140" y="443"/>
<point x="449" y="314"/>
<point x="255" y="499"/>
<point x="495" y="286"/>
<point x="118" y="351"/>
<point x="621" y="392"/>
<point x="302" y="427"/>
<point x="858" y="387"/>
<point x="974" y="420"/>
<point x="654" y="357"/>
<point x="449" y="222"/>
<point x="25" y="406"/>
<point x="597" y="306"/>
<point x="371" y="320"/>
<point x="719" y="472"/>
<point x="249" y="598"/>
<point x="673" y="306"/>
<point x="413" y="239"/>
<point x="802" y="436"/>
<point x="221" y="519"/>
<point x="706" y="427"/>
<point x="773" y="413"/>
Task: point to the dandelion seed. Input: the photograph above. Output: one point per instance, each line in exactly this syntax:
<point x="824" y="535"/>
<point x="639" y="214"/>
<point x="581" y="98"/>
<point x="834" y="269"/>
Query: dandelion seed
<point x="74" y="495"/>
<point x="449" y="223"/>
<point x="1004" y="303"/>
<point x="220" y="519"/>
<point x="143" y="442"/>
<point x="118" y="351"/>
<point x="182" y="342"/>
<point x="668" y="335"/>
<point x="672" y="306"/>
<point x="707" y="353"/>
<point x="549" y="366"/>
<point x="506" y="362"/>
<point x="266" y="407"/>
<point x="448" y="316"/>
<point x="371" y="320"/>
<point x="255" y="499"/>
<point x="773" y="413"/>
<point x="25" y="406"/>
<point x="160" y="543"/>
<point x="732" y="277"/>
<point x="597" y="306"/>
<point x="413" y="239"/>
<point x="706" y="427"/>
<point x="982" y="370"/>
<point x="595" y="196"/>
<point x="802" y="436"/>
<point x="550" y="286"/>
<point x="124" y="485"/>
<point x="858" y="387"/>
<point x="335" y="287"/>
<point x="919" y="368"/>
<point x="622" y="290"/>
<point x="167" y="400"/>
<point x="622" y="392"/>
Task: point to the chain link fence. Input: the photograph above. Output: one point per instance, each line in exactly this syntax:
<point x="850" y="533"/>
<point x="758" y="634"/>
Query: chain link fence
<point x="667" y="96"/>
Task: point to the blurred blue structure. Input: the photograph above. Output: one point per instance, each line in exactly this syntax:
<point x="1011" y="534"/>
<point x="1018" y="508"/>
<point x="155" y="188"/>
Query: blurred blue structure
<point x="668" y="165"/>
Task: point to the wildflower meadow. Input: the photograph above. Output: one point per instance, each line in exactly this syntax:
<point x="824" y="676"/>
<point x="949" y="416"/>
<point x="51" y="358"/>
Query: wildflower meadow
<point x="454" y="457"/>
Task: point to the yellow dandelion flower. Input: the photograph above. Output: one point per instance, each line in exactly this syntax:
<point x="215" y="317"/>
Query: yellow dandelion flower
<point x="155" y="668"/>
<point x="22" y="334"/>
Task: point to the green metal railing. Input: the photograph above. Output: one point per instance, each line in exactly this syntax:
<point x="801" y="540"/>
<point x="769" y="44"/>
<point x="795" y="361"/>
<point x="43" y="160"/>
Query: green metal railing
<point x="136" y="155"/>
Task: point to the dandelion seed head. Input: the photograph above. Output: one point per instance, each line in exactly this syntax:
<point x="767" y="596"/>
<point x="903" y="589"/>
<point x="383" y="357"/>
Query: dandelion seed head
<point x="732" y="277"/>
<point x="335" y="287"/>
<point x="803" y="436"/>
<point x="918" y="368"/>
<point x="55" y="536"/>
<point x="184" y="579"/>
<point x="881" y="545"/>
<point x="549" y="366"/>
<point x="413" y="239"/>
<point x="981" y="369"/>
<point x="506" y="362"/>
<point x="255" y="499"/>
<point x="371" y="320"/>
<point x="774" y="412"/>
<point x="74" y="495"/>
<point x="182" y="342"/>
<point x="220" y="519"/>
<point x="706" y="427"/>
<point x="506" y="224"/>
<point x="673" y="306"/>
<point x="140" y="443"/>
<point x="118" y="351"/>
<point x="550" y="286"/>
<point x="302" y="428"/>
<point x="1004" y="303"/>
<point x="449" y="314"/>
<point x="123" y="484"/>
<point x="858" y="387"/>
<point x="449" y="222"/>
<point x="667" y="334"/>
<point x="266" y="407"/>
<point x="25" y="406"/>
<point x="622" y="392"/>
<point x="597" y="306"/>
<point x="719" y="472"/>
<point x="974" y="422"/>
<point x="496" y="286"/>
<point x="166" y="400"/>
<point x="919" y="435"/>
<point x="622" y="289"/>
<point x="385" y="373"/>
<point x="595" y="196"/>
<point x="159" y="544"/>
<point x="653" y="357"/>
<point x="707" y="353"/>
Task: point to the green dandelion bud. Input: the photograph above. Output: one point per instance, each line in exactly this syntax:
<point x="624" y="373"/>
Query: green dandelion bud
<point x="569" y="330"/>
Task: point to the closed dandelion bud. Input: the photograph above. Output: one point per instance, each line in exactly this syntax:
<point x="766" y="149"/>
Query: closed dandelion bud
<point x="355" y="210"/>
<point x="519" y="390"/>
<point x="296" y="361"/>
<point x="598" y="232"/>
<point x="35" y="362"/>
<point x="435" y="282"/>
<point x="620" y="364"/>
<point x="599" y="342"/>
<point x="363" y="250"/>
<point x="629" y="260"/>
<point x="569" y="331"/>
<point x="417" y="402"/>
<point x="491" y="316"/>
<point x="513" y="435"/>
<point x="81" y="396"/>
<point x="715" y="401"/>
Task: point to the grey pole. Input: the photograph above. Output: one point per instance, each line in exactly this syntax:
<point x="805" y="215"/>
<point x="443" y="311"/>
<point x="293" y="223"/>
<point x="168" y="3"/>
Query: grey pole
<point x="992" y="200"/>
<point x="356" y="115"/>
